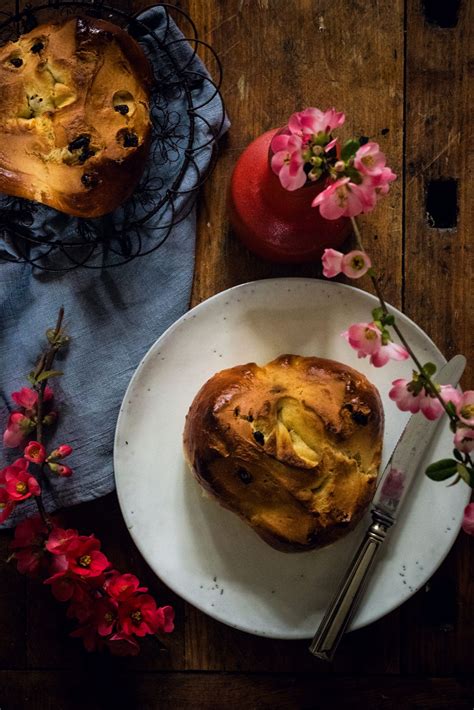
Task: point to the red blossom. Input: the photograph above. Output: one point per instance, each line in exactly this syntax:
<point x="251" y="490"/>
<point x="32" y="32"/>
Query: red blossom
<point x="139" y="615"/>
<point x="122" y="586"/>
<point x="59" y="540"/>
<point x="31" y="531"/>
<point x="26" y="398"/>
<point x="20" y="484"/>
<point x="7" y="505"/>
<point x="18" y="428"/>
<point x="28" y="544"/>
<point x="91" y="639"/>
<point x="122" y="645"/>
<point x="105" y="614"/>
<point x="167" y="622"/>
<point x="84" y="557"/>
<point x="35" y="452"/>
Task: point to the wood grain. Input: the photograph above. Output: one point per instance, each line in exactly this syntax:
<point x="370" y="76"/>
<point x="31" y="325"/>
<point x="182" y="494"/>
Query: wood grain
<point x="41" y="690"/>
<point x="406" y="84"/>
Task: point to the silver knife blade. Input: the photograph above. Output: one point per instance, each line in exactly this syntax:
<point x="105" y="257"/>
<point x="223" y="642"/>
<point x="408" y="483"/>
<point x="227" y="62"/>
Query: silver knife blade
<point x="411" y="447"/>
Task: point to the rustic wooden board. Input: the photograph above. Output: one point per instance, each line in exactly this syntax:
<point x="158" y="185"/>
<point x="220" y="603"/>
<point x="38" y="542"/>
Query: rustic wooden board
<point x="386" y="68"/>
<point x="111" y="687"/>
<point x="438" y="624"/>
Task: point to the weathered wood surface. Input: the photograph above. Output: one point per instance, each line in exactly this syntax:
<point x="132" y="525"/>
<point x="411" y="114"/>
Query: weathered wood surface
<point x="387" y="68"/>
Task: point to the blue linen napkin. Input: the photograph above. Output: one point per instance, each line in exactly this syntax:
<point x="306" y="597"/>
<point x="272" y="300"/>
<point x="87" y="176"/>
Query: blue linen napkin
<point x="113" y="315"/>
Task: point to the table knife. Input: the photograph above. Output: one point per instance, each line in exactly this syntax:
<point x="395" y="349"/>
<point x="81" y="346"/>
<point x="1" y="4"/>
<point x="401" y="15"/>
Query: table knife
<point x="389" y="496"/>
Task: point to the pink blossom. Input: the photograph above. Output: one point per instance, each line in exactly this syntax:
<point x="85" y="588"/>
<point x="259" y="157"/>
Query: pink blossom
<point x="369" y="160"/>
<point x="332" y="263"/>
<point x="468" y="519"/>
<point x="405" y="400"/>
<point x="381" y="182"/>
<point x="341" y="198"/>
<point x="423" y="401"/>
<point x="18" y="428"/>
<point x="465" y="408"/>
<point x="35" y="452"/>
<point x="390" y="351"/>
<point x="464" y="440"/>
<point x="366" y="338"/>
<point x="355" y="264"/>
<point x="287" y="161"/>
<point x="7" y="505"/>
<point x="332" y="144"/>
<point x="312" y="121"/>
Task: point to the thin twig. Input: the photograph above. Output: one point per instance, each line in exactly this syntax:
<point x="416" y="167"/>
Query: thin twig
<point x="44" y="364"/>
<point x="426" y="379"/>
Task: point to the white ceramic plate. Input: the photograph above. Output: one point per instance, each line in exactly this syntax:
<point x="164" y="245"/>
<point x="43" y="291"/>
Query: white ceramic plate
<point x="205" y="553"/>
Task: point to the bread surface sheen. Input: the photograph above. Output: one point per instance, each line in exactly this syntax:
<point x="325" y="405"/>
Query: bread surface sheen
<point x="75" y="117"/>
<point x="292" y="447"/>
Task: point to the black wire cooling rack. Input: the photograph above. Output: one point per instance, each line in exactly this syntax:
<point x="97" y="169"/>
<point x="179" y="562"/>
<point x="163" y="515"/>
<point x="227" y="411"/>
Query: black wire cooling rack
<point x="49" y="240"/>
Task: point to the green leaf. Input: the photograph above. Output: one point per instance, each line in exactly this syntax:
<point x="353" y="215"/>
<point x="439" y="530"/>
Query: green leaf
<point x="353" y="174"/>
<point x="46" y="374"/>
<point x="451" y="407"/>
<point x="389" y="319"/>
<point x="466" y="474"/>
<point x="429" y="369"/>
<point x="31" y="378"/>
<point x="457" y="455"/>
<point x="372" y="272"/>
<point x="349" y="149"/>
<point x="441" y="470"/>
<point x="377" y="313"/>
<point x="456" y="480"/>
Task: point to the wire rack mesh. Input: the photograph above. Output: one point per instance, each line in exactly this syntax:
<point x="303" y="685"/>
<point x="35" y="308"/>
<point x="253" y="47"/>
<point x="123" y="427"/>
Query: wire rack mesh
<point x="183" y="147"/>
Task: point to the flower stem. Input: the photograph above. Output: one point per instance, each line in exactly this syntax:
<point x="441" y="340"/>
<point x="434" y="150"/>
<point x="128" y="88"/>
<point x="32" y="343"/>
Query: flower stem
<point x="44" y="363"/>
<point x="426" y="379"/>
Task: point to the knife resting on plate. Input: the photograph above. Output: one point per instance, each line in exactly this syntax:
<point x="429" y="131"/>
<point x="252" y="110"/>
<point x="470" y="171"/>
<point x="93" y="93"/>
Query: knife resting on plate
<point x="389" y="496"/>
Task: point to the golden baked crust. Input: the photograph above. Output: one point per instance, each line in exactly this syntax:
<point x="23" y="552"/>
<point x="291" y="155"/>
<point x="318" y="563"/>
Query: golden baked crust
<point x="293" y="447"/>
<point x="74" y="120"/>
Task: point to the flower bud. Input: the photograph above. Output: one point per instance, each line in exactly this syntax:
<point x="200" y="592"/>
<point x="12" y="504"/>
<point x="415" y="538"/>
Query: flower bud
<point x="50" y="419"/>
<point x="60" y="453"/>
<point x="314" y="174"/>
<point x="316" y="161"/>
<point x="60" y="470"/>
<point x="318" y="149"/>
<point x="340" y="166"/>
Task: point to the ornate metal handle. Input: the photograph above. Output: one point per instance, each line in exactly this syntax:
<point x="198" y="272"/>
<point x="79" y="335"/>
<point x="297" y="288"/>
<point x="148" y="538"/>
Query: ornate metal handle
<point x="344" y="604"/>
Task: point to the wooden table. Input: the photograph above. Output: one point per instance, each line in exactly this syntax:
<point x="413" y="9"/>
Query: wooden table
<point x="404" y="81"/>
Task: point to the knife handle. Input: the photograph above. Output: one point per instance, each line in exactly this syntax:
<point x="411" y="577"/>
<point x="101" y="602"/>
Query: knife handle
<point x="344" y="603"/>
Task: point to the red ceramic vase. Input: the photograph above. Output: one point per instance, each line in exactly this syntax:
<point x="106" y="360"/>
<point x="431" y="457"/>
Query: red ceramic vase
<point x="274" y="223"/>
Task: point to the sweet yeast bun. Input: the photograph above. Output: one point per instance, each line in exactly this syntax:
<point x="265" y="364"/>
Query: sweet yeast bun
<point x="292" y="447"/>
<point x="74" y="119"/>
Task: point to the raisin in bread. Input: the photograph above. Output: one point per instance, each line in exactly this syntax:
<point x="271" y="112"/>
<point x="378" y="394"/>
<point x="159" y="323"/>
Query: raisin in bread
<point x="292" y="447"/>
<point x="74" y="117"/>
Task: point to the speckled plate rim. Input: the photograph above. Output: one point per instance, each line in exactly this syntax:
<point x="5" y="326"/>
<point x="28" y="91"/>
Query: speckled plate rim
<point x="140" y="541"/>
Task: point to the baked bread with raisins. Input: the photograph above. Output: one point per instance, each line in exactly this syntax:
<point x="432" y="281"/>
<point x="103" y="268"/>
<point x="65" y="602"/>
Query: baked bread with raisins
<point x="292" y="447"/>
<point x="75" y="117"/>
